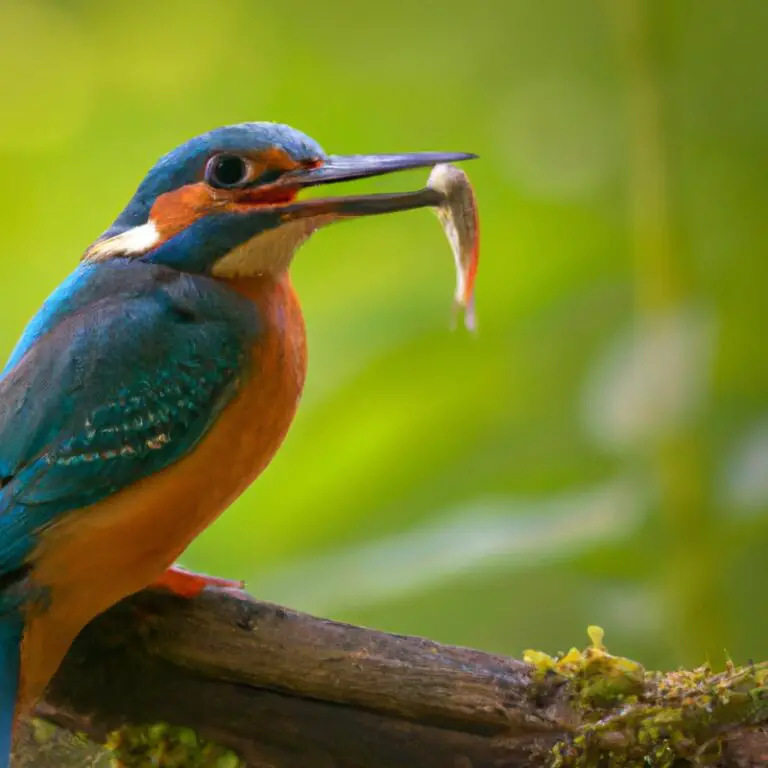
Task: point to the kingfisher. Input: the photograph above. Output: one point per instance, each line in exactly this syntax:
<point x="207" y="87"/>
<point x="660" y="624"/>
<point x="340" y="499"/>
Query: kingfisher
<point x="158" y="381"/>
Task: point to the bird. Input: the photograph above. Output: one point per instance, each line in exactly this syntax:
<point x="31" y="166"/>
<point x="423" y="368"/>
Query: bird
<point x="157" y="382"/>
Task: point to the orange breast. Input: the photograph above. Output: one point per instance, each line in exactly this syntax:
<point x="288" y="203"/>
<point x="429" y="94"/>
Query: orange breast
<point x="96" y="556"/>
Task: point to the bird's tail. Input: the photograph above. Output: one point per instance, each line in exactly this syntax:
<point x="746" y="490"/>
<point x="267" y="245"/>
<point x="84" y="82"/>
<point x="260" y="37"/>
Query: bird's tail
<point x="11" y="629"/>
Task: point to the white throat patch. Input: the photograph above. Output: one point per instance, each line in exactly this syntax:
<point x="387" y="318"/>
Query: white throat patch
<point x="133" y="242"/>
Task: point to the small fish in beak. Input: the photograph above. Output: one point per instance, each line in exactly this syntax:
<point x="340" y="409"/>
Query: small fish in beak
<point x="459" y="216"/>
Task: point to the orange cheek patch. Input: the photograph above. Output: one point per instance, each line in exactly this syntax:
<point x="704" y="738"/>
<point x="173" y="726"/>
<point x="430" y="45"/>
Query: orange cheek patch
<point x="175" y="211"/>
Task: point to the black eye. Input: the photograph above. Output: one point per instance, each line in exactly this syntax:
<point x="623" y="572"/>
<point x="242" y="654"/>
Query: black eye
<point x="226" y="171"/>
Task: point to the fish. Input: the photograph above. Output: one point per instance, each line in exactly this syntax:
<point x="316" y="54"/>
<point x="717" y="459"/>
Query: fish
<point x="458" y="214"/>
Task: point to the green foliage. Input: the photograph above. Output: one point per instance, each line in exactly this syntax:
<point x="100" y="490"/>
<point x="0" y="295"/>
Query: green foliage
<point x="599" y="450"/>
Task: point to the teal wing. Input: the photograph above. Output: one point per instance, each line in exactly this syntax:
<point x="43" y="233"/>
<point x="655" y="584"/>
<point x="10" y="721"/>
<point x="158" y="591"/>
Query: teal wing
<point x="119" y="389"/>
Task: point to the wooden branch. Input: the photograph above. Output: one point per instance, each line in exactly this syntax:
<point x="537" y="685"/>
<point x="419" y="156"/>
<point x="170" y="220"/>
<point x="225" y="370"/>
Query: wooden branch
<point x="286" y="690"/>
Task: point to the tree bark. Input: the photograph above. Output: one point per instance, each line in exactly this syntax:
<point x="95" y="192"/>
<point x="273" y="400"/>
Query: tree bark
<point x="287" y="690"/>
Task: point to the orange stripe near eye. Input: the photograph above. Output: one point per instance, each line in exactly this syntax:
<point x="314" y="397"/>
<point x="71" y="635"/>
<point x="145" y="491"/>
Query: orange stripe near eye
<point x="174" y="211"/>
<point x="276" y="159"/>
<point x="272" y="159"/>
<point x="248" y="199"/>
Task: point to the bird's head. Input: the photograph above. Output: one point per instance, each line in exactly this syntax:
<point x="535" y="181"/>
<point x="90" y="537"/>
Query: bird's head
<point x="226" y="203"/>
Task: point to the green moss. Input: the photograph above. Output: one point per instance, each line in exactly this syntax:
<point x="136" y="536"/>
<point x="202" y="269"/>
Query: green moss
<point x="39" y="743"/>
<point x="631" y="718"/>
<point x="165" y="746"/>
<point x="598" y="679"/>
<point x="43" y="731"/>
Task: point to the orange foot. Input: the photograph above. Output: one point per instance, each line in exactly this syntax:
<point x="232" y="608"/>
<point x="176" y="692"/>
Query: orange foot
<point x="189" y="584"/>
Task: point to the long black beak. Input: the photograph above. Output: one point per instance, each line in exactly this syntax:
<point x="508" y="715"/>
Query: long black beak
<point x="337" y="168"/>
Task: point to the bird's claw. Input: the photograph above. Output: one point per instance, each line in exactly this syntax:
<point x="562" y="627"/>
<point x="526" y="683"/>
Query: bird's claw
<point x="189" y="584"/>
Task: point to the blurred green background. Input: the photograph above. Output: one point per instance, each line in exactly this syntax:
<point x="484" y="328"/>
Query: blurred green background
<point x="598" y="453"/>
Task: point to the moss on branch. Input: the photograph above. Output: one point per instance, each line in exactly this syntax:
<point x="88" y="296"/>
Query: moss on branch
<point x="632" y="718"/>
